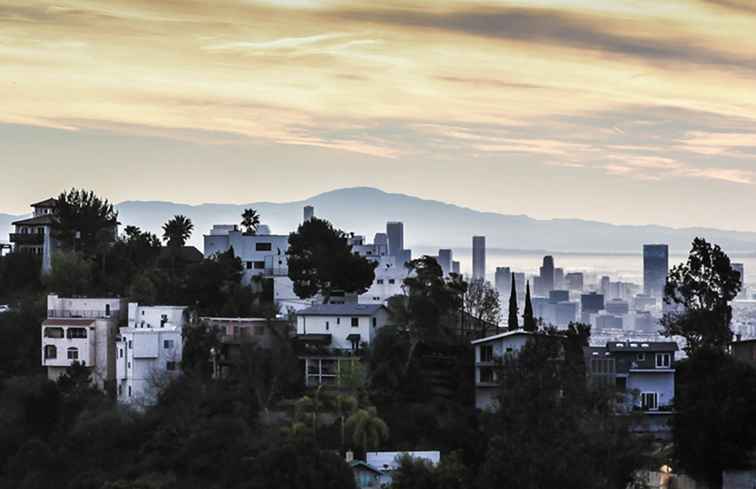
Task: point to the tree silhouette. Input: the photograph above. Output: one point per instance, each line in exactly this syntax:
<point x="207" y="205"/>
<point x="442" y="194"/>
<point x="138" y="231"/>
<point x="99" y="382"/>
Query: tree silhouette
<point x="250" y="221"/>
<point x="513" y="309"/>
<point x="177" y="231"/>
<point x="702" y="289"/>
<point x="528" y="321"/>
<point x="80" y="216"/>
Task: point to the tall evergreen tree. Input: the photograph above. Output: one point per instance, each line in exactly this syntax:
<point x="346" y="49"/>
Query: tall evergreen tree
<point x="528" y="321"/>
<point x="513" y="322"/>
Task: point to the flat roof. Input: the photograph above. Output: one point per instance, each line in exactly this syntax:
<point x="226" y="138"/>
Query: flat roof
<point x="68" y="322"/>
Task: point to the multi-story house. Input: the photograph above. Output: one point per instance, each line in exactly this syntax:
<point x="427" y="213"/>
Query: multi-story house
<point x="261" y="254"/>
<point x="642" y="374"/>
<point x="149" y="351"/>
<point x="83" y="330"/>
<point x="489" y="352"/>
<point x="332" y="336"/>
<point x="34" y="234"/>
<point x="389" y="271"/>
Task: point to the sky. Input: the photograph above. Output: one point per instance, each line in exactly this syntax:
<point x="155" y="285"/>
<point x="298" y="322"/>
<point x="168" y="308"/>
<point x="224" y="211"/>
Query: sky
<point x="626" y="111"/>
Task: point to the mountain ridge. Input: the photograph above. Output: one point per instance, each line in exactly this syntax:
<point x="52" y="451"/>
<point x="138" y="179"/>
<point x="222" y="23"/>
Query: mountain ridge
<point x="428" y="222"/>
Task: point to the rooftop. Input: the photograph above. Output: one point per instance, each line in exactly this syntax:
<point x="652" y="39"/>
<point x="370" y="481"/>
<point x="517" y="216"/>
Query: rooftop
<point x="35" y="221"/>
<point x="636" y="346"/>
<point x="341" y="310"/>
<point x="51" y="202"/>
<point x="502" y="335"/>
<point x="68" y="322"/>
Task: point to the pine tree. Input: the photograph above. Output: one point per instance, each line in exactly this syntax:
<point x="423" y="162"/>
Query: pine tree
<point x="528" y="321"/>
<point x="512" y="322"/>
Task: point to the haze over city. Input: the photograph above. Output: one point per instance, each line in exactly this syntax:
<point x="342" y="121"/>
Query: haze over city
<point x="627" y="112"/>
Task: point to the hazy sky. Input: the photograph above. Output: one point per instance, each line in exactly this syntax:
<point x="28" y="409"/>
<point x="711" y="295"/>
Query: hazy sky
<point x="635" y="111"/>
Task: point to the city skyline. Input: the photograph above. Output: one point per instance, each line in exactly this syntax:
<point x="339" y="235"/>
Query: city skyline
<point x="624" y="112"/>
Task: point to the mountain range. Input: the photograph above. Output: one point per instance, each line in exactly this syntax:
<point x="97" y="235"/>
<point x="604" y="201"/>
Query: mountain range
<point x="428" y="223"/>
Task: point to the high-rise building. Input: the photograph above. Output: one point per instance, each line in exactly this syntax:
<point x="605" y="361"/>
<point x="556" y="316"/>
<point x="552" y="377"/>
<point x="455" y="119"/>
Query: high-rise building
<point x="547" y="275"/>
<point x="559" y="278"/>
<point x="617" y="307"/>
<point x="655" y="268"/>
<point x="556" y="296"/>
<point x="738" y="267"/>
<point x="455" y="267"/>
<point x="591" y="304"/>
<point x="309" y="212"/>
<point x="574" y="281"/>
<point x="479" y="257"/>
<point x="395" y="233"/>
<point x="503" y="281"/>
<point x="445" y="260"/>
<point x="519" y="278"/>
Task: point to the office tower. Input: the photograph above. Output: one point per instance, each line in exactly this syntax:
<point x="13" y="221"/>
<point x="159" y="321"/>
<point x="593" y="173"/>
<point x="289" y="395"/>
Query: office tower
<point x="395" y="233"/>
<point x="455" y="267"/>
<point x="445" y="260"/>
<point x="380" y="241"/>
<point x="559" y="278"/>
<point x="565" y="313"/>
<point x="591" y="304"/>
<point x="309" y="212"/>
<point x="738" y="267"/>
<point x="574" y="281"/>
<point x="479" y="257"/>
<point x="503" y="281"/>
<point x="604" y="284"/>
<point x="547" y="275"/>
<point x="519" y="279"/>
<point x="618" y="307"/>
<point x="655" y="268"/>
<point x="556" y="296"/>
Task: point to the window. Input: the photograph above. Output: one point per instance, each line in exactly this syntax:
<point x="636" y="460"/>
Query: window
<point x="129" y="391"/>
<point x="487" y="374"/>
<point x="72" y="353"/>
<point x="355" y="322"/>
<point x="259" y="265"/>
<point x="131" y="345"/>
<point x="650" y="401"/>
<point x="663" y="360"/>
<point x="50" y="352"/>
<point x="486" y="353"/>
<point x="379" y="281"/>
<point x="327" y="326"/>
<point x="53" y="332"/>
<point x="375" y="322"/>
<point x="120" y="390"/>
<point x="76" y="333"/>
<point x="263" y="246"/>
<point x="249" y="265"/>
<point x="120" y="353"/>
<point x="259" y="330"/>
<point x="128" y="364"/>
<point x="163" y="320"/>
<point x="170" y="366"/>
<point x="640" y="357"/>
<point x="392" y="281"/>
<point x="338" y="320"/>
<point x="107" y="310"/>
<point x="167" y="344"/>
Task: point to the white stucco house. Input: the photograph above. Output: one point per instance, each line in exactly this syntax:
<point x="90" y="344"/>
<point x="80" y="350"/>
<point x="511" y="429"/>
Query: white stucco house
<point x="148" y="351"/>
<point x="81" y="329"/>
<point x="489" y="352"/>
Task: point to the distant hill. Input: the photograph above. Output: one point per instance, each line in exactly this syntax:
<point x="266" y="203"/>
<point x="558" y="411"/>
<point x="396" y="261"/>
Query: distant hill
<point x="428" y="223"/>
<point x="5" y="226"/>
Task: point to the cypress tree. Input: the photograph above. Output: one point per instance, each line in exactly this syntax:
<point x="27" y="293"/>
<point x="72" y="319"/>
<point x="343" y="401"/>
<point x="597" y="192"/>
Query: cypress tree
<point x="528" y="321"/>
<point x="512" y="322"/>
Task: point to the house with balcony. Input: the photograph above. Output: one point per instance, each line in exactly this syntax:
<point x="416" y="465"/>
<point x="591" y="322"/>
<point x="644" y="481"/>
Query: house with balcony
<point x="643" y="376"/>
<point x="489" y="353"/>
<point x="237" y="335"/>
<point x="148" y="351"/>
<point x="332" y="337"/>
<point x="34" y="234"/>
<point x="83" y="330"/>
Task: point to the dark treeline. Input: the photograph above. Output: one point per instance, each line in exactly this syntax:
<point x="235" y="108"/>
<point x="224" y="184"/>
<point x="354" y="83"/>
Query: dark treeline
<point x="259" y="427"/>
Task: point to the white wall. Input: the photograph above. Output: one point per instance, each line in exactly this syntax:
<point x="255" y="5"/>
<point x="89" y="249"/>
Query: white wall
<point x="339" y="327"/>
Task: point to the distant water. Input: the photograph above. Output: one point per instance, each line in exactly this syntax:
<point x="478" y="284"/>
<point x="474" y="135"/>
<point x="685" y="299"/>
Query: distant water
<point x="626" y="267"/>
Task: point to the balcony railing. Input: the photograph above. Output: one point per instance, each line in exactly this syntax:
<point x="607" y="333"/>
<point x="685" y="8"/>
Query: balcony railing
<point x="79" y="314"/>
<point x="27" y="238"/>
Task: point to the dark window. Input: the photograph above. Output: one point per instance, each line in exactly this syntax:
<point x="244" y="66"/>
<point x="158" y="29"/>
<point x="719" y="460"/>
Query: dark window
<point x="650" y="401"/>
<point x="120" y="353"/>
<point x="107" y="310"/>
<point x="338" y="320"/>
<point x="259" y="265"/>
<point x="663" y="360"/>
<point x="375" y="322"/>
<point x="263" y="246"/>
<point x="131" y="345"/>
<point x="53" y="332"/>
<point x="249" y="265"/>
<point x="72" y="353"/>
<point x="51" y="352"/>
<point x="379" y="281"/>
<point x="167" y="344"/>
<point x="486" y="353"/>
<point x="487" y="374"/>
<point x="355" y="322"/>
<point x="76" y="333"/>
<point x="170" y="366"/>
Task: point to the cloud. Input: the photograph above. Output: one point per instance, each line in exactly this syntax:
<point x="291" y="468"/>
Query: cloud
<point x="556" y="28"/>
<point x="282" y="43"/>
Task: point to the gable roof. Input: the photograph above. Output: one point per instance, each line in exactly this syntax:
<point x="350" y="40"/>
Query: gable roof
<point x="35" y="221"/>
<point x="51" y="202"/>
<point x="502" y="335"/>
<point x="342" y="310"/>
<point x="365" y="465"/>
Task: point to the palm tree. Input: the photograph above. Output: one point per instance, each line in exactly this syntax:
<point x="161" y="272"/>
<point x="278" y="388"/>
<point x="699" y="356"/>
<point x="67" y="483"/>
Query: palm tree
<point x="344" y="405"/>
<point x="177" y="231"/>
<point x="368" y="430"/>
<point x="250" y="221"/>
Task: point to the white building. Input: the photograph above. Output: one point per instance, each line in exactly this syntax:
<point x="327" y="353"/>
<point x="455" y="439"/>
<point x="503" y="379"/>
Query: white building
<point x="489" y="352"/>
<point x="389" y="272"/>
<point x="83" y="330"/>
<point x="348" y="325"/>
<point x="262" y="255"/>
<point x="148" y="351"/>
